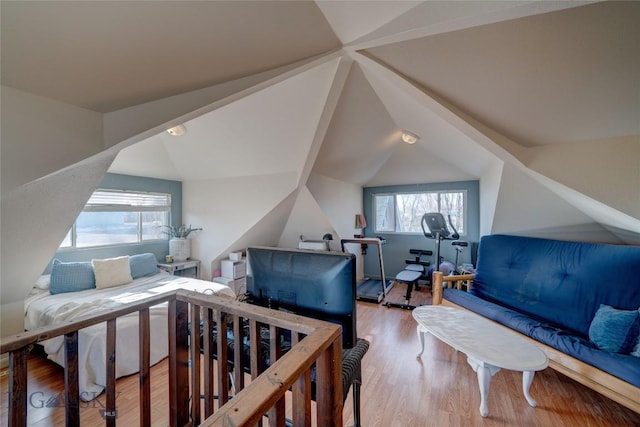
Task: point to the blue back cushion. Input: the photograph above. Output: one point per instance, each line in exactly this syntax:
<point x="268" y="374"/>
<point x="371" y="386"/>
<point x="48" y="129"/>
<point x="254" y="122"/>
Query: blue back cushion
<point x="561" y="282"/>
<point x="143" y="265"/>
<point x="71" y="277"/>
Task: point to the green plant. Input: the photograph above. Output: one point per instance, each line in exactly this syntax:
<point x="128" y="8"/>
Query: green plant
<point x="180" y="232"/>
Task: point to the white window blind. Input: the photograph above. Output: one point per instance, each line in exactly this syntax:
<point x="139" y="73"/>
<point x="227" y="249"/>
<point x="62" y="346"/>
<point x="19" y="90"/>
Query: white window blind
<point x="107" y="200"/>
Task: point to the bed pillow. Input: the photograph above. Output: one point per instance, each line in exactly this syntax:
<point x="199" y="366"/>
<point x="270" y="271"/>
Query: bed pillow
<point x="615" y="330"/>
<point x="71" y="277"/>
<point x="143" y="265"/>
<point x="44" y="281"/>
<point x="112" y="272"/>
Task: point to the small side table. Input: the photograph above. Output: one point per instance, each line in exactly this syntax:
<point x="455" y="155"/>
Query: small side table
<point x="188" y="268"/>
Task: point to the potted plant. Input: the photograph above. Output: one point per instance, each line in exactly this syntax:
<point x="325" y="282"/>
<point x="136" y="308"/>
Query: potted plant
<point x="179" y="245"/>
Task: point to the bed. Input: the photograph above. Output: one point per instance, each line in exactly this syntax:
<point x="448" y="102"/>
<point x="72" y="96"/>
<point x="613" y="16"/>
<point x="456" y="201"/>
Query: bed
<point x="45" y="307"/>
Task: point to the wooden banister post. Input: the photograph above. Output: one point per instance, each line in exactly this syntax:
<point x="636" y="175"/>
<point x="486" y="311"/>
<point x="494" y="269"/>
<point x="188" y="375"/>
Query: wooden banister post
<point x="329" y="386"/>
<point x="195" y="365"/>
<point x="71" y="385"/>
<point x="209" y="372"/>
<point x="110" y="374"/>
<point x="436" y="287"/>
<point x="18" y="388"/>
<point x="178" y="363"/>
<point x="145" y="364"/>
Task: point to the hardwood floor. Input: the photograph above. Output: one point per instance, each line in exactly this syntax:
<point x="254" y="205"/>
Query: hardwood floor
<point x="439" y="389"/>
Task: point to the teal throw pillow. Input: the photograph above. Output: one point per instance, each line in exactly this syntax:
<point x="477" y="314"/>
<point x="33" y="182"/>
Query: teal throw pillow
<point x="615" y="330"/>
<point x="71" y="277"/>
<point x="143" y="265"/>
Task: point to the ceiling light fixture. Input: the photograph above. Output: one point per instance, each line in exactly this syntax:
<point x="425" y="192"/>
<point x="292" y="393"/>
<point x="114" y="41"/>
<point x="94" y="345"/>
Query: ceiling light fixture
<point x="177" y="130"/>
<point x="409" y="137"/>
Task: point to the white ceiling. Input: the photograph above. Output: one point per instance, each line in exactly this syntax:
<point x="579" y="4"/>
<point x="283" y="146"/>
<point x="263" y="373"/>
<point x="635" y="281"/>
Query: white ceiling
<point x="351" y="20"/>
<point x="480" y="82"/>
<point x="107" y="55"/>
<point x="569" y="76"/>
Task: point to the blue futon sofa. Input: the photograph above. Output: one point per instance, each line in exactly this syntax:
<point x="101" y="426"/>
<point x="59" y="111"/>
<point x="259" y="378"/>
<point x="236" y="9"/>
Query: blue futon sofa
<point x="578" y="301"/>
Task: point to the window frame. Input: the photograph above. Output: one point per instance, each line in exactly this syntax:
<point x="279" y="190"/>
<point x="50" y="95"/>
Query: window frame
<point x="139" y="209"/>
<point x="465" y="201"/>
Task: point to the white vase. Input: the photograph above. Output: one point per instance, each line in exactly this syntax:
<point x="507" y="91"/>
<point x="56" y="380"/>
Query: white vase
<point x="180" y="249"/>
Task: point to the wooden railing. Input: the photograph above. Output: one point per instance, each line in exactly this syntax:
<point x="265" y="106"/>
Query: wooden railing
<point x="287" y="378"/>
<point x="459" y="281"/>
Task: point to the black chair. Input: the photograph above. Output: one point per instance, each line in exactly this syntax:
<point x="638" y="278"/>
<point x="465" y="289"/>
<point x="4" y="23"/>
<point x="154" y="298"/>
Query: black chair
<point x="352" y="374"/>
<point x="351" y="360"/>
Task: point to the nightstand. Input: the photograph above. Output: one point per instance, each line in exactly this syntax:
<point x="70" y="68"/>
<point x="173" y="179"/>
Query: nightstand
<point x="188" y="268"/>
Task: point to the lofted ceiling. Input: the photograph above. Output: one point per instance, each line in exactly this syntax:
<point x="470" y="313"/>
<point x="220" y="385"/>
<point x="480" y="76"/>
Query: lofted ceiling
<point x="540" y="79"/>
<point x="105" y="55"/>
<point x="481" y="82"/>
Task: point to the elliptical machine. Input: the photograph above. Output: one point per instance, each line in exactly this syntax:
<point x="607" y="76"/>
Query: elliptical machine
<point x="439" y="231"/>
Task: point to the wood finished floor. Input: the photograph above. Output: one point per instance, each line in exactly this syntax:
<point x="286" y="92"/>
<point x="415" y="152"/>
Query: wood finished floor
<point x="439" y="389"/>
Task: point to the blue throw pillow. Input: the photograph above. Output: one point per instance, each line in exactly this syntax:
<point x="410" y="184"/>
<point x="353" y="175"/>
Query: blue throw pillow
<point x="143" y="265"/>
<point x="71" y="277"/>
<point x="615" y="330"/>
<point x="636" y="349"/>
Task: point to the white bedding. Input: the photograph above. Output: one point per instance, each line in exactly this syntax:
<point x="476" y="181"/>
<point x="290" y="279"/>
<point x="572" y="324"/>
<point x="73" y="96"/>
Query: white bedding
<point x="43" y="309"/>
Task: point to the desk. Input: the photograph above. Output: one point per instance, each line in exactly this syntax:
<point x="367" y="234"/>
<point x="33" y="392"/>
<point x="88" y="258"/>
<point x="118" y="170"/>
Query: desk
<point x="188" y="268"/>
<point x="488" y="346"/>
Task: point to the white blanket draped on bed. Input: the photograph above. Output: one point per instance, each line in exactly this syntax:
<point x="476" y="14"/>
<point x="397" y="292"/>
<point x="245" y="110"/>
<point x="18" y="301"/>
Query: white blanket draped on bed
<point x="44" y="309"/>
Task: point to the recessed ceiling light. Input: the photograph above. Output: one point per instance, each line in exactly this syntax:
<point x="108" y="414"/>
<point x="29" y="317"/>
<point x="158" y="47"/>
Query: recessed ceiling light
<point x="177" y="130"/>
<point x="409" y="137"/>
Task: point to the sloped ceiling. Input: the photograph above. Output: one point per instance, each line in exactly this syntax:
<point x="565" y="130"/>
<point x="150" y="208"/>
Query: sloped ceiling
<point x="537" y="80"/>
<point x="104" y="55"/>
<point x="361" y="136"/>
<point x="351" y="20"/>
<point x="482" y="83"/>
<point x="267" y="132"/>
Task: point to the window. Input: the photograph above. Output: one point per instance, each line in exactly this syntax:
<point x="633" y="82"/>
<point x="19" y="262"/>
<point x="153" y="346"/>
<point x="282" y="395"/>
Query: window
<point x="113" y="217"/>
<point x="402" y="212"/>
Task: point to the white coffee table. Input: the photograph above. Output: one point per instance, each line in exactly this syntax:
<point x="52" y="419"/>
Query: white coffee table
<point x="488" y="346"/>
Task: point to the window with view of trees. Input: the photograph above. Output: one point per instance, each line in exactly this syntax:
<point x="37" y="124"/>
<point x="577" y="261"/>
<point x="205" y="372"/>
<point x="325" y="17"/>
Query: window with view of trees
<point x="113" y="217"/>
<point x="402" y="212"/>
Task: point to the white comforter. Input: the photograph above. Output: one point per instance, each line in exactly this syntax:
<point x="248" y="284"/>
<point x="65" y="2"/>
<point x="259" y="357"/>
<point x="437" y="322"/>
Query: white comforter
<point x="44" y="309"/>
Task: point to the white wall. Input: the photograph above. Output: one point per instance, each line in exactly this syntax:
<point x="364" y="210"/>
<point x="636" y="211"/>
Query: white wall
<point x="227" y="208"/>
<point x="525" y="207"/>
<point x="41" y="136"/>
<point x="339" y="201"/>
<point x="605" y="170"/>
<point x="489" y="191"/>
<point x="35" y="219"/>
<point x="307" y="219"/>
<point x="49" y="169"/>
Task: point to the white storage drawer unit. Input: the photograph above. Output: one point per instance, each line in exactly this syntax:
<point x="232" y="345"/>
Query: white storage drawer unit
<point x="233" y="269"/>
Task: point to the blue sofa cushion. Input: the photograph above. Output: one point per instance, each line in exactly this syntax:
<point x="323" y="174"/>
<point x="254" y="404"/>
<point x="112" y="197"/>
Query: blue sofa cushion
<point x="143" y="265"/>
<point x="561" y="282"/>
<point x="625" y="367"/>
<point x="71" y="277"/>
<point x="615" y="330"/>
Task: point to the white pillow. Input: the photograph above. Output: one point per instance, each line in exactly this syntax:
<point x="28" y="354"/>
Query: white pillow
<point x="111" y="272"/>
<point x="43" y="282"/>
